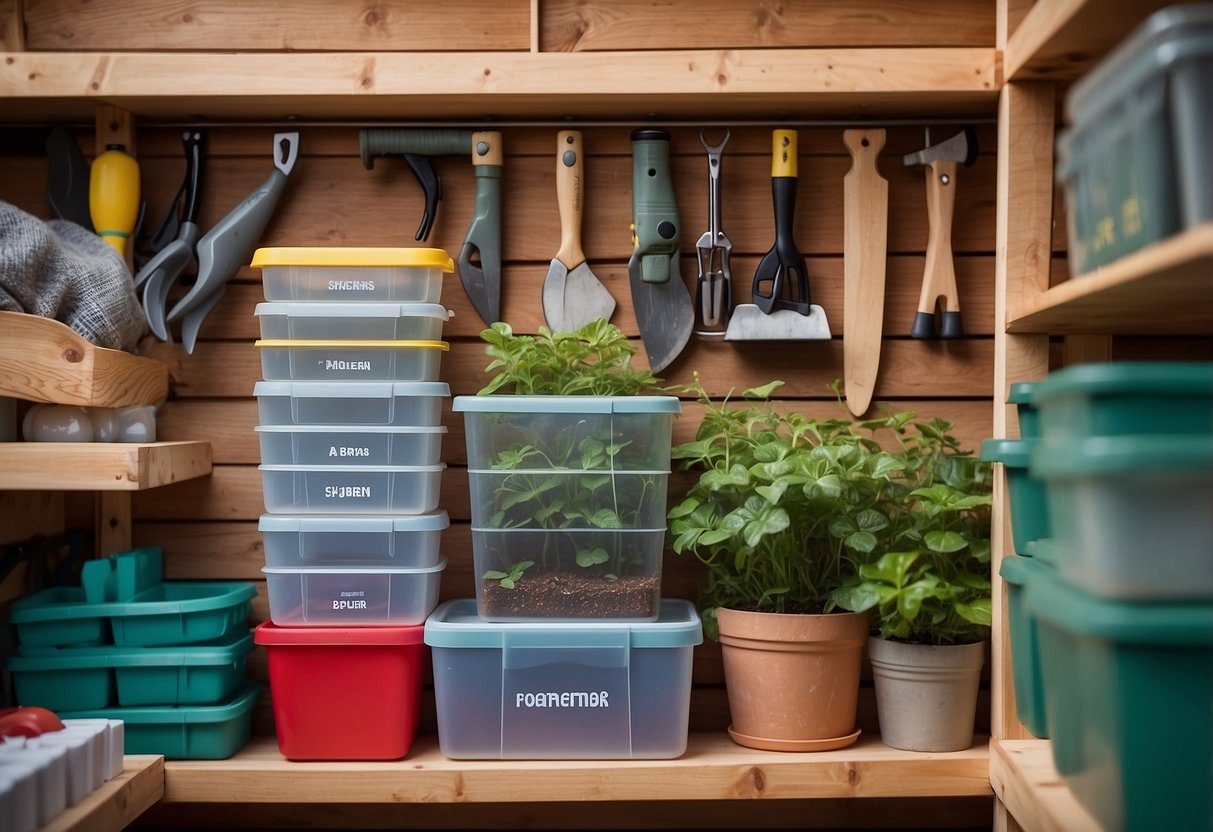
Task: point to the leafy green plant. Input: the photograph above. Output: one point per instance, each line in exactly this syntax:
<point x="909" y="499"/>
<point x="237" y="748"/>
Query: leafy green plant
<point x="790" y="513"/>
<point x="509" y="578"/>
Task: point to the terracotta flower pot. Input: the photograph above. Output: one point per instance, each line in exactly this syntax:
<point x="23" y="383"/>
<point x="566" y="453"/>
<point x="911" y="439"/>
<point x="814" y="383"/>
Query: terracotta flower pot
<point x="792" y="680"/>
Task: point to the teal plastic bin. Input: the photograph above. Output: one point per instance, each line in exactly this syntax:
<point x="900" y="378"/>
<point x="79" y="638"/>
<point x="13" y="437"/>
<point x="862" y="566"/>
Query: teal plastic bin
<point x="188" y="732"/>
<point x="1026" y="673"/>
<point x="59" y="617"/>
<point x="1129" y="687"/>
<point x="1135" y="163"/>
<point x="67" y="679"/>
<point x="1124" y="398"/>
<point x="1023" y="395"/>
<point x="1029" y="505"/>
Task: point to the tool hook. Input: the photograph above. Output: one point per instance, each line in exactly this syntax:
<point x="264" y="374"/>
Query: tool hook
<point x="714" y="289"/>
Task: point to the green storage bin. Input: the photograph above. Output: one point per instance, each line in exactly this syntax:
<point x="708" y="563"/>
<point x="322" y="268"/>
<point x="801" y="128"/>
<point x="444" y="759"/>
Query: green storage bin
<point x="123" y="575"/>
<point x="1129" y="687"/>
<point x="1029" y="506"/>
<point x="188" y="732"/>
<point x="1023" y="395"/>
<point x="57" y="681"/>
<point x="181" y="612"/>
<point x="59" y="617"/>
<point x="1026" y="674"/>
<point x="1135" y="163"/>
<point x="1122" y="398"/>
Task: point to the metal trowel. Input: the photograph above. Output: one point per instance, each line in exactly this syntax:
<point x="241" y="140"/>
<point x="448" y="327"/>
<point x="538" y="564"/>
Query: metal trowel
<point x="572" y="295"/>
<point x="230" y="244"/>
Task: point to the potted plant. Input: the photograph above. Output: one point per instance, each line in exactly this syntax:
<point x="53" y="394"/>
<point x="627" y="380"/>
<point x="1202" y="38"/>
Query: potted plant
<point x="927" y="588"/>
<point x="568" y="462"/>
<point x="784" y="509"/>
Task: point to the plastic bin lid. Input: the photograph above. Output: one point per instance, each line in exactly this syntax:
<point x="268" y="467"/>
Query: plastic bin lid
<point x="1044" y="549"/>
<point x="359" y="524"/>
<point x="1118" y="455"/>
<point x="1137" y="378"/>
<point x="351" y="389"/>
<point x="1175" y="624"/>
<point x="434" y="258"/>
<point x="328" y="342"/>
<point x="346" y="309"/>
<point x="1163" y="39"/>
<point x="456" y="624"/>
<point x="350" y="429"/>
<point x="567" y="404"/>
<point x="355" y="570"/>
<point x="1018" y="570"/>
<point x="364" y="469"/>
<point x="268" y="632"/>
<point x="228" y="650"/>
<point x="1022" y="392"/>
<point x="1014" y="453"/>
<point x="237" y="706"/>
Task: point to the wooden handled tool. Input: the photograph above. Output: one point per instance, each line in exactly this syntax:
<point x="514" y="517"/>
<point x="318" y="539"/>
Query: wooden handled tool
<point x="865" y="244"/>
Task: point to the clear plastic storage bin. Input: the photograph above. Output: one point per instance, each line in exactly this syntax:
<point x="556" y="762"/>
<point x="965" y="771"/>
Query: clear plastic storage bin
<point x="384" y="403"/>
<point x="352" y="596"/>
<point x="351" y="360"/>
<point x="409" y="541"/>
<point x="352" y="489"/>
<point x="585" y="690"/>
<point x="345" y="445"/>
<point x="352" y="321"/>
<point x="412" y="275"/>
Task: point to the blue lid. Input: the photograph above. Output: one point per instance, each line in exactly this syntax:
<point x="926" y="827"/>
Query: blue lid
<point x="365" y="524"/>
<point x="567" y="404"/>
<point x="393" y="429"/>
<point x="351" y="389"/>
<point x="456" y="624"/>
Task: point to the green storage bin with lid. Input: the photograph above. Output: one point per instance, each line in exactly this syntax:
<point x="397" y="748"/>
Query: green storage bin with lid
<point x="1129" y="699"/>
<point x="1023" y="395"/>
<point x="1028" y="502"/>
<point x="1026" y="672"/>
<point x="1135" y="161"/>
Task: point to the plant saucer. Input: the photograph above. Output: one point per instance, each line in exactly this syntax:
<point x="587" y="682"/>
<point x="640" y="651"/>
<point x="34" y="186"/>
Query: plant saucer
<point x="764" y="744"/>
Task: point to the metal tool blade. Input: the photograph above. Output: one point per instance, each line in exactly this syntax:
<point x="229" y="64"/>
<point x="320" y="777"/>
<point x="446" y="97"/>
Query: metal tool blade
<point x="664" y="313"/>
<point x="749" y="323"/>
<point x="553" y="296"/>
<point x="585" y="298"/>
<point x="483" y="292"/>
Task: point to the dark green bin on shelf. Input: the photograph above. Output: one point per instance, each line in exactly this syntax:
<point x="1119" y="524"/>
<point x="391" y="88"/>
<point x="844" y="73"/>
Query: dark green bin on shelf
<point x="1129" y="700"/>
<point x="1029" y="505"/>
<point x="1026" y="674"/>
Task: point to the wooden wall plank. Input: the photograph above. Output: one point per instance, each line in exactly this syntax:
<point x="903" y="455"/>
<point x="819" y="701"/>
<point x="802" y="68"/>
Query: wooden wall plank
<point x="12" y="26"/>
<point x="575" y="25"/>
<point x="295" y="25"/>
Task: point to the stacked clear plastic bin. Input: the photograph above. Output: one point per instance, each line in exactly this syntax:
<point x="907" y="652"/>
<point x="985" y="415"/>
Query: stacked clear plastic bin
<point x="350" y="434"/>
<point x="568" y="650"/>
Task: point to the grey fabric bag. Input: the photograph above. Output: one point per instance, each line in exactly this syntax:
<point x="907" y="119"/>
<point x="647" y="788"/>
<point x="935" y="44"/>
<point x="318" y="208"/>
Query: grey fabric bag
<point x="61" y="270"/>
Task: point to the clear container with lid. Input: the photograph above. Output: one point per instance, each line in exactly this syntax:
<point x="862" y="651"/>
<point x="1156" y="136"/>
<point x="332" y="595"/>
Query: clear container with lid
<point x="413" y="275"/>
<point x="387" y="403"/>
<point x="321" y="321"/>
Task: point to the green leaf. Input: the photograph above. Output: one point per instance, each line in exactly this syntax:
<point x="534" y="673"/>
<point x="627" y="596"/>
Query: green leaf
<point x="683" y="509"/>
<point x="871" y="520"/>
<point x="774" y="492"/>
<point x="762" y="393"/>
<point x="592" y="557"/>
<point x="980" y="612"/>
<point x="861" y="542"/>
<point x="859" y="598"/>
<point x="605" y="518"/>
<point x="493" y="575"/>
<point x="769" y="521"/>
<point x="944" y="542"/>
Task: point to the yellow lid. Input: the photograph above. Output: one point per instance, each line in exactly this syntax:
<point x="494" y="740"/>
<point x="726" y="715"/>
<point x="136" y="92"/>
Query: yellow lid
<point x="434" y="258"/>
<point x="421" y="345"/>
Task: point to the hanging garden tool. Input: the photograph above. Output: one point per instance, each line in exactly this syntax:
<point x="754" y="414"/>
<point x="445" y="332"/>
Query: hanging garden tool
<point x="782" y="309"/>
<point x="939" y="277"/>
<point x="865" y="245"/>
<point x="714" y="288"/>
<point x="165" y="267"/>
<point x="572" y="295"/>
<point x="663" y="307"/>
<point x="229" y="245"/>
<point x="113" y="195"/>
<point x="482" y="242"/>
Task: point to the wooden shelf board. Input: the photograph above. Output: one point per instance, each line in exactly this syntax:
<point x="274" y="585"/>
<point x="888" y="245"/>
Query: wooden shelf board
<point x="43" y="360"/>
<point x="754" y="82"/>
<point x="1024" y="779"/>
<point x="1163" y="289"/>
<point x="114" y="805"/>
<point x="713" y="768"/>
<point x="100" y="466"/>
<point x="1062" y="39"/>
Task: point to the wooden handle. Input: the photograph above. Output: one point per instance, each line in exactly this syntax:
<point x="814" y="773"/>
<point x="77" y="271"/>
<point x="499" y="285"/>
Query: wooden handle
<point x="570" y="197"/>
<point x="486" y="148"/>
<point x="939" y="278"/>
<point x="865" y="245"/>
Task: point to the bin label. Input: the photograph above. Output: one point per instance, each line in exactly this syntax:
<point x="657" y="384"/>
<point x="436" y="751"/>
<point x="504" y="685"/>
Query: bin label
<point x="573" y="708"/>
<point x="345" y="451"/>
<point x="355" y="597"/>
<point x="351" y="285"/>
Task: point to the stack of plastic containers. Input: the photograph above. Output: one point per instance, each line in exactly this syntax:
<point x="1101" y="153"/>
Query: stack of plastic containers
<point x="1124" y="621"/>
<point x="568" y="650"/>
<point x="165" y="657"/>
<point x="351" y="439"/>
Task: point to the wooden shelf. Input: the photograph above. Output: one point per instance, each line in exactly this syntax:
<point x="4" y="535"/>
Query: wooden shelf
<point x="1165" y="289"/>
<point x="118" y="802"/>
<point x="714" y="768"/>
<point x="100" y="466"/>
<point x="43" y="360"/>
<point x="748" y="82"/>
<point x="1025" y="780"/>
<point x="1060" y="40"/>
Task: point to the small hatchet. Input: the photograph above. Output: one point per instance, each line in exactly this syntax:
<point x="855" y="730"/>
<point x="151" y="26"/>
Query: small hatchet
<point x="939" y="277"/>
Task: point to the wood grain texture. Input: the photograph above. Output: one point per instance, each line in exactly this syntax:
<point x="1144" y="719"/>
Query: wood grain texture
<point x="12" y="26"/>
<point x="296" y="25"/>
<point x="1026" y="781"/>
<point x="101" y="466"/>
<point x="117" y="802"/>
<point x="569" y="25"/>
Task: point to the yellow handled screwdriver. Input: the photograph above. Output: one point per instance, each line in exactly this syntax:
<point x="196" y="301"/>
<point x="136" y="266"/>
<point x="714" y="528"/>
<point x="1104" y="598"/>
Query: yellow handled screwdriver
<point x="113" y="195"/>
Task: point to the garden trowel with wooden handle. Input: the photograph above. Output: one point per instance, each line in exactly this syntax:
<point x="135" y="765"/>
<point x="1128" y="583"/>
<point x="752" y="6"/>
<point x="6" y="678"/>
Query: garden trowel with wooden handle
<point x="572" y="295"/>
<point x="865" y="245"/>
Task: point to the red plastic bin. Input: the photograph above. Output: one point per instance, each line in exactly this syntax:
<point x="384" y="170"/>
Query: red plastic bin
<point x="344" y="693"/>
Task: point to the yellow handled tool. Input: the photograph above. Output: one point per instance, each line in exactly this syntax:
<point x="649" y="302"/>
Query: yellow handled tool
<point x="113" y="195"/>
